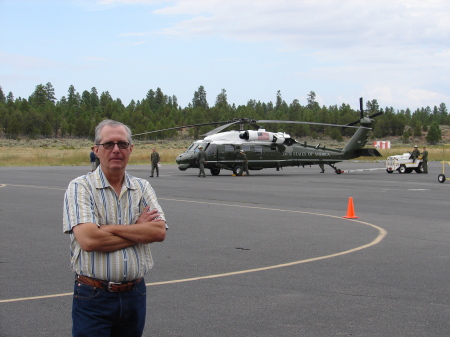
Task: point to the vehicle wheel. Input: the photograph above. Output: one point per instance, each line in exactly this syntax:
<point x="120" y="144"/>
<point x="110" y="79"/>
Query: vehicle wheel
<point x="338" y="171"/>
<point x="236" y="170"/>
<point x="389" y="171"/>
<point x="215" y="171"/>
<point x="402" y="169"/>
<point x="419" y="169"/>
<point x="441" y="178"/>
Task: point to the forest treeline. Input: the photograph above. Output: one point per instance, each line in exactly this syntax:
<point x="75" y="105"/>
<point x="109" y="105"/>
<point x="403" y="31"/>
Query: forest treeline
<point x="41" y="115"/>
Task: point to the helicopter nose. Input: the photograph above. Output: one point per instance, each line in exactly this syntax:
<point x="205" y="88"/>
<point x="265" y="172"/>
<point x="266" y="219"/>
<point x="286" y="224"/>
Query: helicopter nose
<point x="181" y="158"/>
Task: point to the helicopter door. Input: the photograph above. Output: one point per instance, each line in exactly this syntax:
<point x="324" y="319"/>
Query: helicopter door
<point x="227" y="154"/>
<point x="211" y="152"/>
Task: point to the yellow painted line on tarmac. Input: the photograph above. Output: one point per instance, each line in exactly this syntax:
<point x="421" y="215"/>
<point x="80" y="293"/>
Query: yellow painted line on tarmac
<point x="33" y="186"/>
<point x="381" y="234"/>
<point x="34" y="298"/>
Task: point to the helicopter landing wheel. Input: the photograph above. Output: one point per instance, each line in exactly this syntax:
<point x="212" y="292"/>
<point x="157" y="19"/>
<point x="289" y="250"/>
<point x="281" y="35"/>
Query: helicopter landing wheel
<point x="237" y="170"/>
<point x="215" y="171"/>
<point x="441" y="178"/>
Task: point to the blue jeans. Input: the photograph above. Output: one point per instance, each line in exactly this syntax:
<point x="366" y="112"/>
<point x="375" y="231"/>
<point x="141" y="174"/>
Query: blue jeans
<point x="100" y="313"/>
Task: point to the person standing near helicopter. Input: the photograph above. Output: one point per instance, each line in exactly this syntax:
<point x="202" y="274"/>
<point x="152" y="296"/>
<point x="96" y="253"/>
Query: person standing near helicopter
<point x="415" y="154"/>
<point x="244" y="167"/>
<point x="425" y="160"/>
<point x="154" y="158"/>
<point x="201" y="157"/>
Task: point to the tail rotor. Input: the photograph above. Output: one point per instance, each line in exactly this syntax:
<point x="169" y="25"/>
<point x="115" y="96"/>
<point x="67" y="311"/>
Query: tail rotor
<point x="361" y="114"/>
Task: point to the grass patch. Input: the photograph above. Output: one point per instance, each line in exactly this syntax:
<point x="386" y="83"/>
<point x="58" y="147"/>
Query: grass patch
<point x="75" y="152"/>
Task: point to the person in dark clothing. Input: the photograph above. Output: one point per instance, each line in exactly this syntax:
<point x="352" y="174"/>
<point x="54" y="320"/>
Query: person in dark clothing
<point x="415" y="154"/>
<point x="425" y="160"/>
<point x="322" y="167"/>
<point x="154" y="158"/>
<point x="244" y="167"/>
<point x="201" y="156"/>
<point x="93" y="158"/>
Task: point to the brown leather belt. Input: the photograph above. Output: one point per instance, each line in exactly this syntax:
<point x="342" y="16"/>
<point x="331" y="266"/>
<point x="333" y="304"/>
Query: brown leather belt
<point x="113" y="287"/>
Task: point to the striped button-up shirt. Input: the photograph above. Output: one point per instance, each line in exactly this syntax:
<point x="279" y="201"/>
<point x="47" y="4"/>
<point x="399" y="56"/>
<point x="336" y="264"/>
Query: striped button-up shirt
<point x="90" y="198"/>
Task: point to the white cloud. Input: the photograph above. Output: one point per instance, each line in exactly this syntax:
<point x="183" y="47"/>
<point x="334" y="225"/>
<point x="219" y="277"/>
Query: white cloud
<point x="22" y="62"/>
<point x="326" y="24"/>
<point x="341" y="49"/>
<point x="391" y="96"/>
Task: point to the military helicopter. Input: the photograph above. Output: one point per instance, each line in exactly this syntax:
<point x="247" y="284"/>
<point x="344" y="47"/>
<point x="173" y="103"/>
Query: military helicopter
<point x="266" y="149"/>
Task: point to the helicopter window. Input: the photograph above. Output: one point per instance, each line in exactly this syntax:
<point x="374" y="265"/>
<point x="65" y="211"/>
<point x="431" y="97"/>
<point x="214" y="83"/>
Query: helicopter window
<point x="212" y="148"/>
<point x="246" y="148"/>
<point x="258" y="149"/>
<point x="194" y="146"/>
<point x="229" y="148"/>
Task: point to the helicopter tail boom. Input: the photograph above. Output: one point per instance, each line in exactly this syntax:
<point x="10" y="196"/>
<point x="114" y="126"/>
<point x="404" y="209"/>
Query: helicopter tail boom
<point x="366" y="152"/>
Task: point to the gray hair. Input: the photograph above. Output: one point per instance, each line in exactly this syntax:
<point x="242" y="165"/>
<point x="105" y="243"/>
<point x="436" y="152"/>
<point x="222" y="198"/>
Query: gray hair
<point x="110" y="122"/>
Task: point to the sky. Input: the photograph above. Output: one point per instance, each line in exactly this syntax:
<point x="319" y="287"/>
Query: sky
<point x="394" y="51"/>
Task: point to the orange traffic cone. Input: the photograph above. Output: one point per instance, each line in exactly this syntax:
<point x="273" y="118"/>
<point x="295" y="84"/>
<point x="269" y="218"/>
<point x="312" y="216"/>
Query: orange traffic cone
<point x="350" y="210"/>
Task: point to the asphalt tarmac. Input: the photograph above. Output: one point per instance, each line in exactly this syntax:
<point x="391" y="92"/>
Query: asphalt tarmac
<point x="264" y="255"/>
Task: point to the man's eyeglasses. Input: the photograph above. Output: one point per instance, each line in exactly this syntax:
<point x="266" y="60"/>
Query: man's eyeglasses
<point x="110" y="145"/>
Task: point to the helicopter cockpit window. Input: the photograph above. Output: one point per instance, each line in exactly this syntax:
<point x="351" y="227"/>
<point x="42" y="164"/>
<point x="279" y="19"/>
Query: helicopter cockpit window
<point x="194" y="146"/>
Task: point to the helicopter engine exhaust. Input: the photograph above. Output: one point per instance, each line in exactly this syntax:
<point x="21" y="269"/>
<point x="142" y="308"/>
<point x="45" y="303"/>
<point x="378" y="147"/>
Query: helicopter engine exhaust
<point x="262" y="135"/>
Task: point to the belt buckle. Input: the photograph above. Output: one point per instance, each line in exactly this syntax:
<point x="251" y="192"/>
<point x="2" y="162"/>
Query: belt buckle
<point x="112" y="284"/>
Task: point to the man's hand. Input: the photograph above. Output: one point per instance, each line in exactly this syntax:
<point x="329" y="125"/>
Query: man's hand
<point x="148" y="215"/>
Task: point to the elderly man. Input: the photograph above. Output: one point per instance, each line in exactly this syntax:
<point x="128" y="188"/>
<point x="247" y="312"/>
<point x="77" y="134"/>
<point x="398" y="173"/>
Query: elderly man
<point x="112" y="217"/>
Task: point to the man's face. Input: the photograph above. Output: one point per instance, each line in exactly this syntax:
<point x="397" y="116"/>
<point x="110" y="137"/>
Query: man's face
<point x="114" y="159"/>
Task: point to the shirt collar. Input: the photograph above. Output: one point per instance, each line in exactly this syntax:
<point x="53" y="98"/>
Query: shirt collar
<point x="100" y="180"/>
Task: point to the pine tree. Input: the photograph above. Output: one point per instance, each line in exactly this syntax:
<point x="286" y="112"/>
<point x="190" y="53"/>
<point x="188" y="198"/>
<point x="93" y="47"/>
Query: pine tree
<point x="199" y="99"/>
<point x="434" y="134"/>
<point x="2" y="96"/>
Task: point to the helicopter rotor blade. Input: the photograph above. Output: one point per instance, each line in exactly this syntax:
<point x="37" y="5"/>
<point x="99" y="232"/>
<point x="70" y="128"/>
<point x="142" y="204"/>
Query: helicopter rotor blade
<point x="352" y="123"/>
<point x="376" y="114"/>
<point x="220" y="128"/>
<point x="308" y="123"/>
<point x="178" y="127"/>
<point x="252" y="122"/>
<point x="361" y="109"/>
